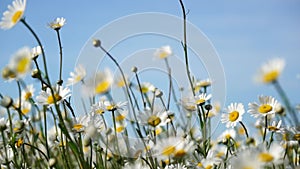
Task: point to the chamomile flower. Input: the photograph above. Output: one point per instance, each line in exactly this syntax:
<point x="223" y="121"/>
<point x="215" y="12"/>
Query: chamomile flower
<point x="20" y="64"/>
<point x="275" y="126"/>
<point x="271" y="70"/>
<point x="28" y="92"/>
<point x="234" y="114"/>
<point x="163" y="52"/>
<point x="98" y="108"/>
<point x="245" y="159"/>
<point x="76" y="76"/>
<point x="227" y="134"/>
<point x="202" y="98"/>
<point x="273" y="155"/>
<point x="202" y="84"/>
<point x="147" y="87"/>
<point x="266" y="106"/>
<point x="153" y="118"/>
<point x="57" y="23"/>
<point x="13" y="15"/>
<point x="176" y="166"/>
<point x="99" y="84"/>
<point x="60" y="93"/>
<point x="110" y="106"/>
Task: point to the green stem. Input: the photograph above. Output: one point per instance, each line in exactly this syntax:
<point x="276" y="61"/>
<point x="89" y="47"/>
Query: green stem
<point x="246" y="132"/>
<point x="60" y="81"/>
<point x="266" y="126"/>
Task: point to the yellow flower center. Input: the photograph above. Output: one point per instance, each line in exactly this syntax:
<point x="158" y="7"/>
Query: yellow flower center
<point x="144" y="89"/>
<point x="50" y="99"/>
<point x="233" y="116"/>
<point x="220" y="154"/>
<point x="19" y="142"/>
<point x="77" y="78"/>
<point x="120" y="117"/>
<point x="273" y="128"/>
<point x="154" y="120"/>
<point x="23" y="64"/>
<point x="209" y="167"/>
<point x="120" y="129"/>
<point x="167" y="151"/>
<point x="110" y="107"/>
<point x="99" y="111"/>
<point x="158" y="131"/>
<point x="247" y="167"/>
<point x="179" y="153"/>
<point x="17" y="16"/>
<point x="25" y="111"/>
<point x="28" y="95"/>
<point x="265" y="108"/>
<point x="102" y="87"/>
<point x="241" y="131"/>
<point x="77" y="127"/>
<point x="199" y="164"/>
<point x="121" y="83"/>
<point x="270" y="76"/>
<point x="200" y="101"/>
<point x="163" y="55"/>
<point x="265" y="157"/>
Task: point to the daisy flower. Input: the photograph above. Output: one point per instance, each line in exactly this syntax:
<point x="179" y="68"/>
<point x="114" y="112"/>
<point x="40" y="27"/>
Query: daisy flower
<point x="21" y="64"/>
<point x="275" y="126"/>
<point x="3" y="124"/>
<point x="99" y="84"/>
<point x="146" y="87"/>
<point x="98" y="108"/>
<point x="234" y="114"/>
<point x="76" y="76"/>
<point x="273" y="155"/>
<point x="245" y="159"/>
<point x="202" y="98"/>
<point x="110" y="106"/>
<point x="60" y="93"/>
<point x="153" y="118"/>
<point x="227" y="134"/>
<point x="57" y="23"/>
<point x="266" y="106"/>
<point x="28" y="92"/>
<point x="163" y="52"/>
<point x="201" y="84"/>
<point x="271" y="70"/>
<point x="176" y="166"/>
<point x="13" y="15"/>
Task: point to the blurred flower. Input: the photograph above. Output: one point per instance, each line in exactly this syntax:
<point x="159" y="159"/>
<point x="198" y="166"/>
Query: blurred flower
<point x="146" y="87"/>
<point x="14" y="13"/>
<point x="28" y="92"/>
<point x="3" y="124"/>
<point x="99" y="84"/>
<point x="19" y="65"/>
<point x="245" y="159"/>
<point x="227" y="134"/>
<point x="266" y="106"/>
<point x="271" y="70"/>
<point x="202" y="98"/>
<point x="57" y="23"/>
<point x="119" y="81"/>
<point x="136" y="164"/>
<point x="234" y="114"/>
<point x="153" y="118"/>
<point x="76" y="76"/>
<point x="201" y="84"/>
<point x="98" y="108"/>
<point x="176" y="166"/>
<point x="275" y="126"/>
<point x="163" y="52"/>
<point x="60" y="93"/>
<point x="273" y="155"/>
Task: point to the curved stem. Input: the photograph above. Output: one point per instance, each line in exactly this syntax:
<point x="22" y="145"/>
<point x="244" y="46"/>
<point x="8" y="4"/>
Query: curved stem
<point x="266" y="126"/>
<point x="246" y="132"/>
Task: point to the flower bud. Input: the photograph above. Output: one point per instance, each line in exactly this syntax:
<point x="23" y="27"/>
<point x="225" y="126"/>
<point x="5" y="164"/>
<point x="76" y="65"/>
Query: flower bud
<point x="36" y="74"/>
<point x="158" y="93"/>
<point x="6" y="101"/>
<point x="134" y="69"/>
<point x="51" y="162"/>
<point x="96" y="43"/>
<point x="8" y="73"/>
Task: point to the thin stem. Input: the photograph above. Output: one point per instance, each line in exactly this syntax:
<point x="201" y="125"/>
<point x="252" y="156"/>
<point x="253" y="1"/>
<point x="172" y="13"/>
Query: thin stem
<point x="184" y="44"/>
<point x="266" y="126"/>
<point x="141" y="91"/>
<point x="60" y="58"/>
<point x="5" y="149"/>
<point x="40" y="44"/>
<point x="246" y="132"/>
<point x="32" y="146"/>
<point x="170" y="83"/>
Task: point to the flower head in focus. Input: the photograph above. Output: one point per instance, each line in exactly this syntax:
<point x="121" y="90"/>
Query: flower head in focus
<point x="266" y="106"/>
<point x="57" y="23"/>
<point x="271" y="70"/>
<point x="46" y="97"/>
<point x="233" y="115"/>
<point x="13" y="15"/>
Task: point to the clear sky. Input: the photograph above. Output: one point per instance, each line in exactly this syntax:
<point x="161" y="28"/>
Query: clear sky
<point x="244" y="33"/>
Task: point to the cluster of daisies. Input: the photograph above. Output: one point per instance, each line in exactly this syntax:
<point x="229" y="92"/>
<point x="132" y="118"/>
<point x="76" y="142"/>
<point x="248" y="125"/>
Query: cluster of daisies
<point x="40" y="128"/>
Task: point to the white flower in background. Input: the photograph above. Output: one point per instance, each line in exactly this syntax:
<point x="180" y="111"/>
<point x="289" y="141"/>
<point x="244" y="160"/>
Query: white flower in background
<point x="176" y="166"/>
<point x="13" y="15"/>
<point x="36" y="51"/>
<point x="137" y="164"/>
<point x="227" y="134"/>
<point x="245" y="159"/>
<point x="201" y="84"/>
<point x="234" y="114"/>
<point x="163" y="52"/>
<point x="98" y="108"/>
<point x="275" y="126"/>
<point x="60" y="93"/>
<point x="266" y="106"/>
<point x="20" y="64"/>
<point x="28" y="92"/>
<point x="3" y="124"/>
<point x="99" y="84"/>
<point x="57" y="23"/>
<point x="271" y="70"/>
<point x="147" y="87"/>
<point x="110" y="106"/>
<point x="153" y="118"/>
<point x="76" y="76"/>
<point x="202" y="98"/>
<point x="273" y="155"/>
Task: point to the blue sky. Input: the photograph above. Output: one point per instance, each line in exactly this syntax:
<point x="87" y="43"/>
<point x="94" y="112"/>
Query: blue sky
<point x="245" y="34"/>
